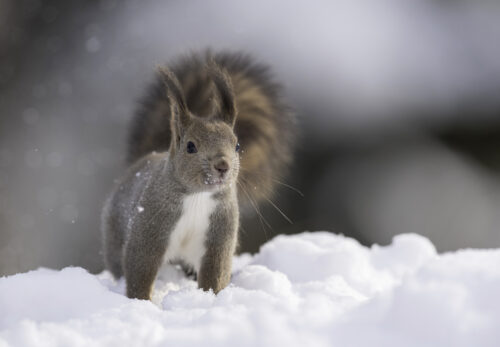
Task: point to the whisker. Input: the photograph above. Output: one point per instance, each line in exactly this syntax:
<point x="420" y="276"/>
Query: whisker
<point x="244" y="180"/>
<point x="289" y="186"/>
<point x="259" y="214"/>
<point x="254" y="205"/>
<point x="280" y="211"/>
<point x="275" y="206"/>
<point x="264" y="174"/>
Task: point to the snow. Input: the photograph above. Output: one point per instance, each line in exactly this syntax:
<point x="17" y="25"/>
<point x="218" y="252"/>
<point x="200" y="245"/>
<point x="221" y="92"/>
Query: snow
<point x="311" y="289"/>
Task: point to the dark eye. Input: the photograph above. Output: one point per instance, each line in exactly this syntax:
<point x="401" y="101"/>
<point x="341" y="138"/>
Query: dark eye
<point x="191" y="148"/>
<point x="238" y="147"/>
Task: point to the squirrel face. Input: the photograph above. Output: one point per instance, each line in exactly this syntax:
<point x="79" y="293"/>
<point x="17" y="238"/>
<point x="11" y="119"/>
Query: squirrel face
<point x="206" y="157"/>
<point x="203" y="151"/>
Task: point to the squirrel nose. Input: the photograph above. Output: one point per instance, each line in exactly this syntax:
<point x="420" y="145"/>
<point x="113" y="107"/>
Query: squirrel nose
<point x="221" y="166"/>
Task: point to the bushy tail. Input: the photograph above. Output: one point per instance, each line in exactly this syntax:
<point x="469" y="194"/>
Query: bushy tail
<point x="265" y="125"/>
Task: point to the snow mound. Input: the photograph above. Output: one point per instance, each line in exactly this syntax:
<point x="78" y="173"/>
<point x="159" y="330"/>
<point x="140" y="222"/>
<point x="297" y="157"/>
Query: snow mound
<point x="311" y="289"/>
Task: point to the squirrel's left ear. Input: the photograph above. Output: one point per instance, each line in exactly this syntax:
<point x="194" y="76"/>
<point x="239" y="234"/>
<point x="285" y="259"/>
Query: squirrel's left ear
<point x="225" y="103"/>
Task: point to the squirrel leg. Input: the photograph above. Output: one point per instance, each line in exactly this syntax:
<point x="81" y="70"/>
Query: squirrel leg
<point x="142" y="259"/>
<point x="215" y="270"/>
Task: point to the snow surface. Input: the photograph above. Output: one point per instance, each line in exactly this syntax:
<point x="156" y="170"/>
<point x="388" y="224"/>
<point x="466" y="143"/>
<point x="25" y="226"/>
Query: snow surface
<point x="311" y="289"/>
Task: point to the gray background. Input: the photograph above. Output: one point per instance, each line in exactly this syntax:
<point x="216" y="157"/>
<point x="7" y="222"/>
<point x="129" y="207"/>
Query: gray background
<point x="398" y="103"/>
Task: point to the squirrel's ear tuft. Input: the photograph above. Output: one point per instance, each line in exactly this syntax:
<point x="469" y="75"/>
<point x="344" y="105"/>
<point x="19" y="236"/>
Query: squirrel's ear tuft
<point x="175" y="95"/>
<point x="180" y="117"/>
<point x="225" y="103"/>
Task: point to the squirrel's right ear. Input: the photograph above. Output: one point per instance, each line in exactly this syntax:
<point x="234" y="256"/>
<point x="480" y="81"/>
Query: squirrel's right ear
<point x="178" y="106"/>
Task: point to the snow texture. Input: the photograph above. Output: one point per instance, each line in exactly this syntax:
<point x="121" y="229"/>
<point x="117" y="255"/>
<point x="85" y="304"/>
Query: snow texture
<point x="311" y="289"/>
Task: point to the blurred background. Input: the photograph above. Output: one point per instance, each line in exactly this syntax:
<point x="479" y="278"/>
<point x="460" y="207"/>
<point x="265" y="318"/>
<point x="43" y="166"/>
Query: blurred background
<point x="398" y="104"/>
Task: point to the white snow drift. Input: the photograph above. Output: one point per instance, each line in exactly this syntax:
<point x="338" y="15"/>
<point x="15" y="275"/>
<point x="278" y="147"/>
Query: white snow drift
<point x="312" y="289"/>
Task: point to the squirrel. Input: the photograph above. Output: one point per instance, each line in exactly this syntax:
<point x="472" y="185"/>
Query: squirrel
<point x="211" y="136"/>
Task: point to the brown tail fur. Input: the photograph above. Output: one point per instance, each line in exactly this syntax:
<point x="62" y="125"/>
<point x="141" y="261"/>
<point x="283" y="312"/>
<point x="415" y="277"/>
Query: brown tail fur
<point x="265" y="125"/>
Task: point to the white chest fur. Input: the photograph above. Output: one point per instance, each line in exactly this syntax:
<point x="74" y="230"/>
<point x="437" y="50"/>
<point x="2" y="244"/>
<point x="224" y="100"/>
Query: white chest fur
<point x="187" y="241"/>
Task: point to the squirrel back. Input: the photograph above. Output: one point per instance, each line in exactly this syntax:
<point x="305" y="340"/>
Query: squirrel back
<point x="265" y="125"/>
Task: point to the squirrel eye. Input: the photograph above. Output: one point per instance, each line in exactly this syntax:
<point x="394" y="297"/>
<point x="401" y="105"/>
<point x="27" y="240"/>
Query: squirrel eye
<point x="191" y="148"/>
<point x="238" y="147"/>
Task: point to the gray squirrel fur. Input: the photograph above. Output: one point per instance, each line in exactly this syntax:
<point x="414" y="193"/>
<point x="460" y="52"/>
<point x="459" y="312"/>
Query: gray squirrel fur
<point x="152" y="214"/>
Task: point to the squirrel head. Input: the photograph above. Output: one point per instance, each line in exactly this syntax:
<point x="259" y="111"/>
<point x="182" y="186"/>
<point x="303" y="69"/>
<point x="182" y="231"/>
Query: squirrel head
<point x="203" y="150"/>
